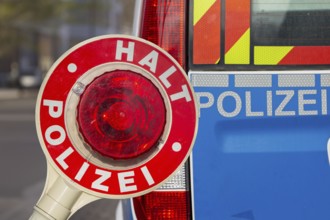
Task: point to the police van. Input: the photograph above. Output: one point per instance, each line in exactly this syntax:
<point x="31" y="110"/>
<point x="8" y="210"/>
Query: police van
<point x="260" y="71"/>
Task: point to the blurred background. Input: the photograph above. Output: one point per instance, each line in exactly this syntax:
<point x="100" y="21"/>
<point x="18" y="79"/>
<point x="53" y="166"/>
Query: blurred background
<point x="33" y="34"/>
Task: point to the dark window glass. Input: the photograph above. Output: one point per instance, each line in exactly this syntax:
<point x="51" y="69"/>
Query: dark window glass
<point x="290" y="23"/>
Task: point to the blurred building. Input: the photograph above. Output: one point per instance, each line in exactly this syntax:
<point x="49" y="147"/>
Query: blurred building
<point x="36" y="44"/>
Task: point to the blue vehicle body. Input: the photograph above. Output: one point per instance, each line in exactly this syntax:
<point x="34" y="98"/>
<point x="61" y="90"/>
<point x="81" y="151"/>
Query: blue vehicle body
<point x="261" y="149"/>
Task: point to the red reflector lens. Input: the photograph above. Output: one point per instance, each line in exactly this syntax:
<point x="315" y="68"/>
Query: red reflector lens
<point x="163" y="23"/>
<point x="121" y="115"/>
<point x="163" y="205"/>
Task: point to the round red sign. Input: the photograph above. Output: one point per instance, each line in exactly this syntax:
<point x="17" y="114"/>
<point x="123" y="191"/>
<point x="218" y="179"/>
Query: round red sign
<point x="116" y="116"/>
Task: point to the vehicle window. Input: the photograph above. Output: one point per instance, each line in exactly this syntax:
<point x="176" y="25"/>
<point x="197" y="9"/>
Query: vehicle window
<point x="291" y="22"/>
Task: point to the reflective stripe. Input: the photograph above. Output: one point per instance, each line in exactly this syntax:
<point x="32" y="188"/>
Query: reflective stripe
<point x="292" y="80"/>
<point x="253" y="80"/>
<point x="270" y="55"/>
<point x="200" y="8"/>
<point x="210" y="80"/>
<point x="291" y="55"/>
<point x="239" y="53"/>
<point x="309" y="55"/>
<point x="325" y="80"/>
<point x="237" y="32"/>
<point x="206" y="41"/>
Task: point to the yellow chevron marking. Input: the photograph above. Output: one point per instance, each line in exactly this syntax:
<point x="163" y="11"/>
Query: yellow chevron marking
<point x="239" y="53"/>
<point x="270" y="55"/>
<point x="200" y="8"/>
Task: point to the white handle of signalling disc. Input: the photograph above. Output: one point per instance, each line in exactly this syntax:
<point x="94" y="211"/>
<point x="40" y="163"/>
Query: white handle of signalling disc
<point x="59" y="199"/>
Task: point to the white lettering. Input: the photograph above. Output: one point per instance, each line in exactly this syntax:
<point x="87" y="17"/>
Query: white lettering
<point x="51" y="130"/>
<point x="126" y="181"/>
<point x="120" y="50"/>
<point x="147" y="175"/>
<point x="61" y="159"/>
<point x="98" y="183"/>
<point x="55" y="107"/>
<point x="208" y="96"/>
<point x="205" y="104"/>
<point x="165" y="75"/>
<point x="150" y="60"/>
<point x="288" y="96"/>
<point x="248" y="106"/>
<point x="269" y="103"/>
<point x="302" y="101"/>
<point x="82" y="171"/>
<point x="238" y="104"/>
<point x="289" y="103"/>
<point x="183" y="94"/>
<point x="324" y="102"/>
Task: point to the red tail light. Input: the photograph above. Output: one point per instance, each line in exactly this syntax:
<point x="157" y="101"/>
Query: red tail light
<point x="170" y="201"/>
<point x="163" y="205"/>
<point x="164" y="23"/>
<point x="126" y="117"/>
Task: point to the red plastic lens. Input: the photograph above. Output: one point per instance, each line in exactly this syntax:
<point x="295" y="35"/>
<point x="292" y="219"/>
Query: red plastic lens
<point x="163" y="23"/>
<point x="163" y="205"/>
<point x="121" y="115"/>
